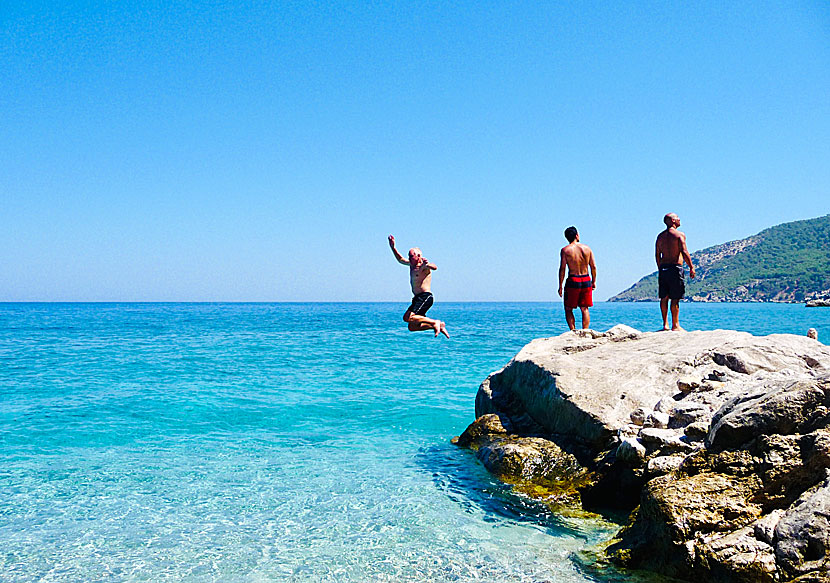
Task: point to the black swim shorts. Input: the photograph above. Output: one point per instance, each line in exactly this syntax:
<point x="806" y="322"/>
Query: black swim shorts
<point x="671" y="281"/>
<point x="421" y="303"/>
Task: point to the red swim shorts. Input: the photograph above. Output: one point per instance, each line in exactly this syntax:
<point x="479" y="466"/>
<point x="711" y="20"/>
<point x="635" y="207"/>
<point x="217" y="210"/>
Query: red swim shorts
<point x="578" y="292"/>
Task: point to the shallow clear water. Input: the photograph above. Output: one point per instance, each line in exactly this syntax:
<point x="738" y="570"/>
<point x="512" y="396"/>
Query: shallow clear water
<point x="279" y="442"/>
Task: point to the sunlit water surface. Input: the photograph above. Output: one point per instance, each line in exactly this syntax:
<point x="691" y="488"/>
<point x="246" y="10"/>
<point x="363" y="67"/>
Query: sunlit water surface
<point x="279" y="442"/>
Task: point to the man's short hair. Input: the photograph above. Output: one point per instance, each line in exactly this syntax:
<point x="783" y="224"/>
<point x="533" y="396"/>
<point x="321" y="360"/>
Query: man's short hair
<point x="570" y="234"/>
<point x="669" y="219"/>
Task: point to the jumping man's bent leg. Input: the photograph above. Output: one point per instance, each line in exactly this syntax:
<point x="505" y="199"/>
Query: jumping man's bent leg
<point x="415" y="322"/>
<point x="444" y="329"/>
<point x="419" y="323"/>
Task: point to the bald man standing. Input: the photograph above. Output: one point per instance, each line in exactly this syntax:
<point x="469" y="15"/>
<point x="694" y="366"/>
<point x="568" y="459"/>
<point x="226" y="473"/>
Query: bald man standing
<point x="670" y="253"/>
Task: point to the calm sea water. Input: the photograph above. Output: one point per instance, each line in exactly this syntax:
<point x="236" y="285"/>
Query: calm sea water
<point x="279" y="442"/>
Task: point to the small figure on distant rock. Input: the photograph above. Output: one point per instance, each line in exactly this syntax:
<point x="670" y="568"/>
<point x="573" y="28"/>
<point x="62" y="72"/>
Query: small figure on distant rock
<point x="580" y="285"/>
<point x="812" y="333"/>
<point x="420" y="277"/>
<point x="670" y="253"/>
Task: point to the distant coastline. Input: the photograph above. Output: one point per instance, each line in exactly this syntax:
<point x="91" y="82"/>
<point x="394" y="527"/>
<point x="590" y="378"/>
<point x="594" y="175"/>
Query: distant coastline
<point x="787" y="263"/>
<point x="708" y="300"/>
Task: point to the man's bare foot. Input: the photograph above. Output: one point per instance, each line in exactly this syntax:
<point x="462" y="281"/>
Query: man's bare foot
<point x="437" y="327"/>
<point x="677" y="329"/>
<point x="665" y="328"/>
<point x="444" y="330"/>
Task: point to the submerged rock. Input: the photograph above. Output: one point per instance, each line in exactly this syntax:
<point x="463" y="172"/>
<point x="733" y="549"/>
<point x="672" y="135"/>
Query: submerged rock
<point x="535" y="465"/>
<point x="481" y="431"/>
<point x="720" y="439"/>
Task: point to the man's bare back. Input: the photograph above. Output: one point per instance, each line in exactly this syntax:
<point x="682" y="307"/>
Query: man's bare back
<point x="578" y="257"/>
<point x="670" y="245"/>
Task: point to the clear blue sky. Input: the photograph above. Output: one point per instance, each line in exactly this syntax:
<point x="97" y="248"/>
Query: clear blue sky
<point x="264" y="150"/>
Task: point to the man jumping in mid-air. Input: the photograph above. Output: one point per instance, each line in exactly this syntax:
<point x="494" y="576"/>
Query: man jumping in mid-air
<point x="420" y="276"/>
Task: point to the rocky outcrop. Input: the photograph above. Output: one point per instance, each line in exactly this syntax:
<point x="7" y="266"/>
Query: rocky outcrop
<point x="749" y="506"/>
<point x="823" y="303"/>
<point x="719" y="440"/>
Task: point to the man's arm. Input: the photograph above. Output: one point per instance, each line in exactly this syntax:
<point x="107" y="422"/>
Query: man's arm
<point x="658" y="255"/>
<point x="425" y="263"/>
<point x="593" y="271"/>
<point x="397" y="255"/>
<point x="686" y="257"/>
<point x="561" y="270"/>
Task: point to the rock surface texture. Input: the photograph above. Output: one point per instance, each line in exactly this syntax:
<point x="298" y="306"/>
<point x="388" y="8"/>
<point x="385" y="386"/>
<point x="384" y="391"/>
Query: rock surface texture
<point x="719" y="441"/>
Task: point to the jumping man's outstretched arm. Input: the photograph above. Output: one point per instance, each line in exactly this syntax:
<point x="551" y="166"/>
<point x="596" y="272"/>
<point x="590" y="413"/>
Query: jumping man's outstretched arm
<point x="395" y="252"/>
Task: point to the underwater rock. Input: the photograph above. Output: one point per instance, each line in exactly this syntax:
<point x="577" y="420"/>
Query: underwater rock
<point x="481" y="431"/>
<point x="533" y="461"/>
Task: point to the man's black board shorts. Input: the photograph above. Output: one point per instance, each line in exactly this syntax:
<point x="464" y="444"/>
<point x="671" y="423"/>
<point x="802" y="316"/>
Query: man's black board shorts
<point x="671" y="281"/>
<point x="421" y="303"/>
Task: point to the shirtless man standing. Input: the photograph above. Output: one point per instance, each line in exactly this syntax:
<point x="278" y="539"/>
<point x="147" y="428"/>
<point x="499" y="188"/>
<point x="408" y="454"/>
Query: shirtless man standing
<point x="670" y="253"/>
<point x="420" y="276"/>
<point x="580" y="286"/>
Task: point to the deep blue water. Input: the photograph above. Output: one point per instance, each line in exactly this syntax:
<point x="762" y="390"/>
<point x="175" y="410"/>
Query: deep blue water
<point x="279" y="442"/>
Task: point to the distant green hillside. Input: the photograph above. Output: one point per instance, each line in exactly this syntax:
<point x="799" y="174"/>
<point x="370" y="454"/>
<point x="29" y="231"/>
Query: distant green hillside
<point x="786" y="263"/>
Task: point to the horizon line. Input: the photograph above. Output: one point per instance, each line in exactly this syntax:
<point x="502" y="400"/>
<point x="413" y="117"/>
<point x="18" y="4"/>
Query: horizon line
<point x="274" y="301"/>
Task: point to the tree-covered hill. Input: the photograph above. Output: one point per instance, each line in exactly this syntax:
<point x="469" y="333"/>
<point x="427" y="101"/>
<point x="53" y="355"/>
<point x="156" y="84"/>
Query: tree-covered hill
<point x="786" y="263"/>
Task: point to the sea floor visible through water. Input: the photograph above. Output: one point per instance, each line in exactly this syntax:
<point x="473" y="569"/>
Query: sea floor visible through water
<point x="281" y="442"/>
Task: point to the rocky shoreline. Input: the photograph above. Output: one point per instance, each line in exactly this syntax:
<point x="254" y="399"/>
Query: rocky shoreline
<point x="717" y="442"/>
<point x="736" y="299"/>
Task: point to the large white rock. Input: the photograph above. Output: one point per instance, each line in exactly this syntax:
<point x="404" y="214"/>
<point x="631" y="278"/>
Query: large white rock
<point x="588" y="385"/>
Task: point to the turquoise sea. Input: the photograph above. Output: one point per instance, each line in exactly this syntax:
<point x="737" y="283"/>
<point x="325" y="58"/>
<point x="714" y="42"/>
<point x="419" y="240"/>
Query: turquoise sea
<point x="280" y="442"/>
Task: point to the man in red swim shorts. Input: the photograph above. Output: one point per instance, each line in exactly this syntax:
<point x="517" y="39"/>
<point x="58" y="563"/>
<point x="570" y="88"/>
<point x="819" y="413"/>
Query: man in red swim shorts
<point x="580" y="286"/>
